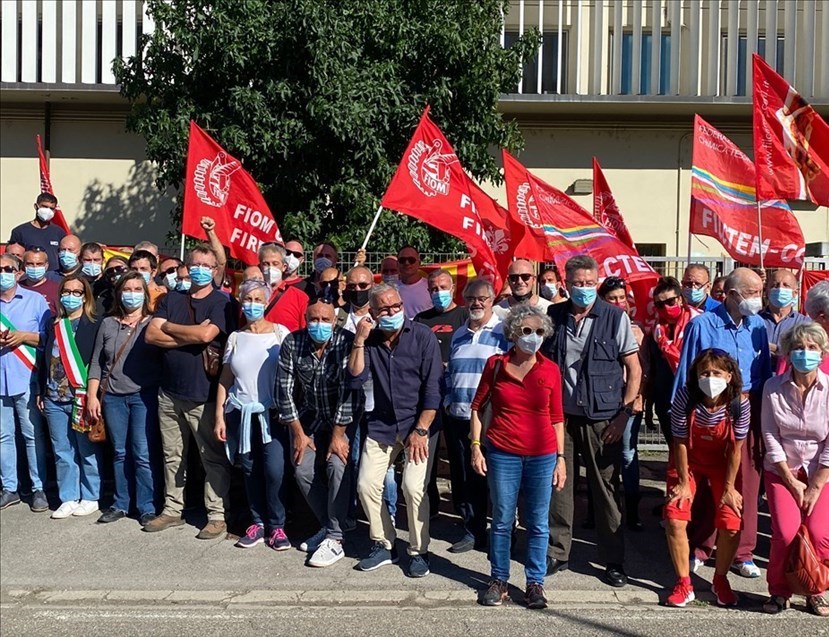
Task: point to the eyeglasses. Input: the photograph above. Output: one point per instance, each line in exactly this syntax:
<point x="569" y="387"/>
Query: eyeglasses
<point x="8" y="269"/>
<point x="389" y="309"/>
<point x="298" y="255"/>
<point x="525" y="277"/>
<point x="357" y="286"/>
<point x="120" y="269"/>
<point x="406" y="260"/>
<point x="670" y="302"/>
<point x="477" y="299"/>
<point x="527" y="330"/>
<point x="692" y="284"/>
<point x="76" y="293"/>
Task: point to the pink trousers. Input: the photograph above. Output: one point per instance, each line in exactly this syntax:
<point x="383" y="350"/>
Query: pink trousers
<point x="786" y="519"/>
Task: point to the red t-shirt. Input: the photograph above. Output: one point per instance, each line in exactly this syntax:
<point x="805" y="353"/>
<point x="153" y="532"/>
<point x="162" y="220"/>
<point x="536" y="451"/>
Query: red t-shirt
<point x="523" y="411"/>
<point x="289" y="310"/>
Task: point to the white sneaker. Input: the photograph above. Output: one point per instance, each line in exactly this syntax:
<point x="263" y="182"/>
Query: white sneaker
<point x="695" y="563"/>
<point x="65" y="510"/>
<point x="85" y="507"/>
<point x="746" y="569"/>
<point x="313" y="543"/>
<point x="329" y="552"/>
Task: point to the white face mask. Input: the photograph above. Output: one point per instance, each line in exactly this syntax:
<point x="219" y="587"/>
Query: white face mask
<point x="45" y="214"/>
<point x="273" y="276"/>
<point x="530" y="343"/>
<point x="712" y="386"/>
<point x="751" y="307"/>
<point x="291" y="263"/>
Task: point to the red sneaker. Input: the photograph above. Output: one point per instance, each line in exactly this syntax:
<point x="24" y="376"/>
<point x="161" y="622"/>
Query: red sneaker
<point x="682" y="594"/>
<point x="722" y="591"/>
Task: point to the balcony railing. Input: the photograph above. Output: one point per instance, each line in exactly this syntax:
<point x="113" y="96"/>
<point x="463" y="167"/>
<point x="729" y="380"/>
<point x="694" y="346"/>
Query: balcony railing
<point x="687" y="48"/>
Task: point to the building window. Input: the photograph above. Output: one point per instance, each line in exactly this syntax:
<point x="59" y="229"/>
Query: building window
<point x="645" y="64"/>
<point x="742" y="59"/>
<point x="651" y="249"/>
<point x="549" y="63"/>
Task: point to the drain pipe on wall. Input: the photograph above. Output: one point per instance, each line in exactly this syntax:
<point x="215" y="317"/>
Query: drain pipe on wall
<point x="679" y="192"/>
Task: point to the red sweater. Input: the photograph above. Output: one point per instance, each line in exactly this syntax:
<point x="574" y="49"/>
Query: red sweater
<point x="289" y="310"/>
<point x="523" y="411"/>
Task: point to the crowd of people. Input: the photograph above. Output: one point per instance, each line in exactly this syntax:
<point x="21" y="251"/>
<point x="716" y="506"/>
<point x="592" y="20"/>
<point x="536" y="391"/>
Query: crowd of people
<point x="328" y="380"/>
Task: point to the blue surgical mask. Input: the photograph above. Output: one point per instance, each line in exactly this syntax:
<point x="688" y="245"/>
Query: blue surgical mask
<point x="170" y="281"/>
<point x="7" y="281"/>
<point x="804" y="360"/>
<point x="694" y="296"/>
<point x="583" y="297"/>
<point x="68" y="260"/>
<point x="391" y="279"/>
<point x="35" y="272"/>
<point x="146" y="277"/>
<point x="442" y="299"/>
<point x="91" y="269"/>
<point x="183" y="286"/>
<point x="253" y="311"/>
<point x="549" y="290"/>
<point x="200" y="274"/>
<point x="322" y="263"/>
<point x="70" y="302"/>
<point x="391" y="323"/>
<point x="132" y="300"/>
<point x="782" y="297"/>
<point x="320" y="332"/>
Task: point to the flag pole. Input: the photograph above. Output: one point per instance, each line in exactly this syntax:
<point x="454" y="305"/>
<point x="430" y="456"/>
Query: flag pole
<point x="371" y="227"/>
<point x="182" y="247"/>
<point x="760" y="234"/>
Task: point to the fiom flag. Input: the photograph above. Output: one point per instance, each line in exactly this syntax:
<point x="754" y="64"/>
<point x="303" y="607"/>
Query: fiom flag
<point x="605" y="210"/>
<point x="46" y="186"/>
<point x="430" y="185"/>
<point x="568" y="229"/>
<point x="724" y="206"/>
<point x="217" y="186"/>
<point x="791" y="141"/>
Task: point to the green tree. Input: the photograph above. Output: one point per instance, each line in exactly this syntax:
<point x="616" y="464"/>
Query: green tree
<point x="319" y="98"/>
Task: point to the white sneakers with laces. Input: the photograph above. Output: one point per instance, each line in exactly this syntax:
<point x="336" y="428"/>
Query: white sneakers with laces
<point x="65" y="510"/>
<point x="329" y="552"/>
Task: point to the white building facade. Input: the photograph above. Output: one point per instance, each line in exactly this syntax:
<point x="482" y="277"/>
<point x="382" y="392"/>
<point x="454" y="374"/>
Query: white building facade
<point x="618" y="79"/>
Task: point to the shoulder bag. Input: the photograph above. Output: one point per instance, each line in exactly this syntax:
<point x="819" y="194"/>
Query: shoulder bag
<point x="98" y="431"/>
<point x="211" y="354"/>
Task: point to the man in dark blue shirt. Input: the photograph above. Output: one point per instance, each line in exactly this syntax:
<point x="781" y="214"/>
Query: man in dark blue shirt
<point x="40" y="232"/>
<point x="403" y="360"/>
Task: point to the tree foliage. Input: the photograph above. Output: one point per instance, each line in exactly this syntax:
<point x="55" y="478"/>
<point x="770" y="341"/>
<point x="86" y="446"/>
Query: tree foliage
<point x="319" y="98"/>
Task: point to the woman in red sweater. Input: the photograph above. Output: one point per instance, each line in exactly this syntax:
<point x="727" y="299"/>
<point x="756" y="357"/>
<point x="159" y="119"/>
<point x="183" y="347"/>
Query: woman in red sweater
<point x="522" y="443"/>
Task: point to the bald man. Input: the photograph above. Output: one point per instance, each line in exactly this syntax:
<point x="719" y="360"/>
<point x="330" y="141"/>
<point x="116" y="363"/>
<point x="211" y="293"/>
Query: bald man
<point x="736" y="328"/>
<point x="521" y="278"/>
<point x="780" y="314"/>
<point x="69" y="255"/>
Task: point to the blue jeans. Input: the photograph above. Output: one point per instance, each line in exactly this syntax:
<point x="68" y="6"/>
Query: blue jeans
<point x="21" y="410"/>
<point x="76" y="458"/>
<point x="508" y="474"/>
<point x="133" y="419"/>
<point x="264" y="471"/>
<point x="630" y="456"/>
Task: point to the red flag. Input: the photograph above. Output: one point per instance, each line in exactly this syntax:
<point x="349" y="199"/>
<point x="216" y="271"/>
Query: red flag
<point x="791" y="141"/>
<point x="430" y="185"/>
<point x="46" y="186"/>
<point x="526" y="224"/>
<point x="217" y="186"/>
<point x="605" y="210"/>
<point x="568" y="229"/>
<point x="724" y="206"/>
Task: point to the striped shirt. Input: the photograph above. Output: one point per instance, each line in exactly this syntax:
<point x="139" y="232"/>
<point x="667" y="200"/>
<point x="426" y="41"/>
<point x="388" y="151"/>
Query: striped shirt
<point x="468" y="354"/>
<point x="705" y="418"/>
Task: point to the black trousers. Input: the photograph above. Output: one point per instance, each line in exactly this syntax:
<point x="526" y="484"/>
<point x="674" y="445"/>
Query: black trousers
<point x="470" y="494"/>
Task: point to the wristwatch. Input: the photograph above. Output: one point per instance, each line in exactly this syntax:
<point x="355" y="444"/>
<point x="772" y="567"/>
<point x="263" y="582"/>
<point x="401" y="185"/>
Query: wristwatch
<point x="421" y="432"/>
<point x="629" y="411"/>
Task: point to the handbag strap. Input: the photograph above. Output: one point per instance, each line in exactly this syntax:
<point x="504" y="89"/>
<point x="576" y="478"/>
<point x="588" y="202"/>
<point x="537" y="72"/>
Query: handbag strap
<point x="105" y="383"/>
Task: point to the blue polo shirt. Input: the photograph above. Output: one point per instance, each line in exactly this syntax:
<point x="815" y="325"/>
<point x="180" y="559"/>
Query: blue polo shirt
<point x="406" y="381"/>
<point x="27" y="311"/>
<point x="747" y="343"/>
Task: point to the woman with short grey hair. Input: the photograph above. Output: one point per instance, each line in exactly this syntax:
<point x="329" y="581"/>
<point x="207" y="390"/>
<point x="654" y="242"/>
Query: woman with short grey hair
<point x="817" y="303"/>
<point x="524" y="443"/>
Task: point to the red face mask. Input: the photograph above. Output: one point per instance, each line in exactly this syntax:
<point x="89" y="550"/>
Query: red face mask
<point x="669" y="313"/>
<point x="622" y="305"/>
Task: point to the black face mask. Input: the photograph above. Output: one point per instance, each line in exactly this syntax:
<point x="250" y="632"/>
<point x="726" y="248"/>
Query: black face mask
<point x="357" y="298"/>
<point x="330" y="291"/>
<point x="522" y="297"/>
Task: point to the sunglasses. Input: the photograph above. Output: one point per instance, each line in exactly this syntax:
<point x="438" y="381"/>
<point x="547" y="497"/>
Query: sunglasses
<point x="406" y="260"/>
<point x="389" y="309"/>
<point x="357" y="286"/>
<point x="298" y="255"/>
<point x="525" y="277"/>
<point x="527" y="330"/>
<point x="8" y="269"/>
<point x="171" y="270"/>
<point x="614" y="282"/>
<point x="77" y="293"/>
<point x="666" y="302"/>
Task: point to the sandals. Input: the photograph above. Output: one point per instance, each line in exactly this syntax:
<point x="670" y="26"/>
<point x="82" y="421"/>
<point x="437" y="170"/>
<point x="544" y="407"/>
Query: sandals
<point x="775" y="604"/>
<point x="817" y="605"/>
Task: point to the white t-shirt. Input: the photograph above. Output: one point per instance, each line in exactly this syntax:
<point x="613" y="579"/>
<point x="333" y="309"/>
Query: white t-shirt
<point x="416" y="297"/>
<point x="502" y="309"/>
<point x="254" y="359"/>
<point x="350" y="325"/>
